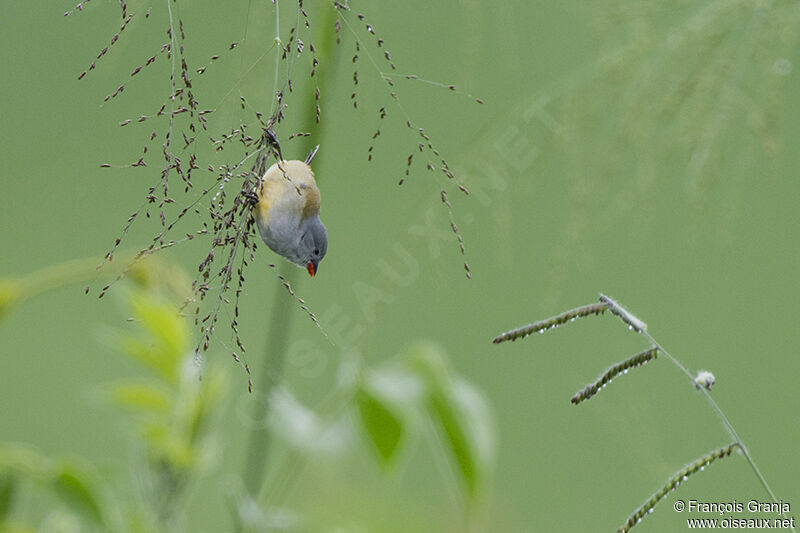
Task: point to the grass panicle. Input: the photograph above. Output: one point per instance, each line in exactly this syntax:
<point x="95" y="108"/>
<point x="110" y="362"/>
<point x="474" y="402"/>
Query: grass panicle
<point x="79" y="7"/>
<point x="552" y="322"/>
<point x="430" y="155"/>
<point x="702" y="382"/>
<point x="620" y="368"/>
<point x="198" y="168"/>
<point x="114" y="38"/>
<point x="673" y="483"/>
<point x="300" y="301"/>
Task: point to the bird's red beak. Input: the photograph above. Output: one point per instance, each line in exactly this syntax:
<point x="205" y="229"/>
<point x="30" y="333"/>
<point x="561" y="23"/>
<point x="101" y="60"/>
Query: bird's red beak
<point x="311" y="269"/>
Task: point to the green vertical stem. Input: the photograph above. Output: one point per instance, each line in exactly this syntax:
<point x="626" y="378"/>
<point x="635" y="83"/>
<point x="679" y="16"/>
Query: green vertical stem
<point x="271" y="369"/>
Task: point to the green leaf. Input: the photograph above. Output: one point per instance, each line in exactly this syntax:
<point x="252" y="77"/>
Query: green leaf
<point x="168" y="336"/>
<point x="7" y="489"/>
<point x="447" y="409"/>
<point x="383" y="426"/>
<point x="76" y="488"/>
<point x="10" y="294"/>
<point x="71" y="483"/>
<point x="478" y="423"/>
<point x="162" y="321"/>
<point x="24" y="461"/>
<point x="444" y="412"/>
<point x="140" y="396"/>
<point x="304" y="429"/>
<point x="171" y="447"/>
<point x="8" y="527"/>
<point x="150" y="356"/>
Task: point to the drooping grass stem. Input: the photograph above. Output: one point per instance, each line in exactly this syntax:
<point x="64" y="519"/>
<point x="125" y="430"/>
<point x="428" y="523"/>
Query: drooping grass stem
<point x="640" y="327"/>
<point x="716" y="408"/>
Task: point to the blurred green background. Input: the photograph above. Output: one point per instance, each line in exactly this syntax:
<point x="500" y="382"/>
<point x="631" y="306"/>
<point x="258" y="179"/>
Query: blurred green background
<point x="644" y="150"/>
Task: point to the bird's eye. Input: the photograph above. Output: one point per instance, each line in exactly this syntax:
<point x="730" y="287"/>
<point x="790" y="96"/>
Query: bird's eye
<point x="316" y="251"/>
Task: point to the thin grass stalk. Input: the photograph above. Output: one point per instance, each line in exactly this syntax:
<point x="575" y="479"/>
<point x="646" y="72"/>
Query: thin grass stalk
<point x="635" y="324"/>
<point x="725" y="422"/>
<point x="625" y="315"/>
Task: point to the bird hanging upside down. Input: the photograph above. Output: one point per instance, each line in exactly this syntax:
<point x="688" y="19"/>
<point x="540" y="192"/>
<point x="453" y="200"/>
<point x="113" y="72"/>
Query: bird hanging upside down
<point x="286" y="210"/>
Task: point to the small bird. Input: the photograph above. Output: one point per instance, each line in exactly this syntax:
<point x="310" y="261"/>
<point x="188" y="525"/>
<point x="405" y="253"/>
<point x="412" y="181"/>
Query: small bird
<point x="286" y="210"/>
